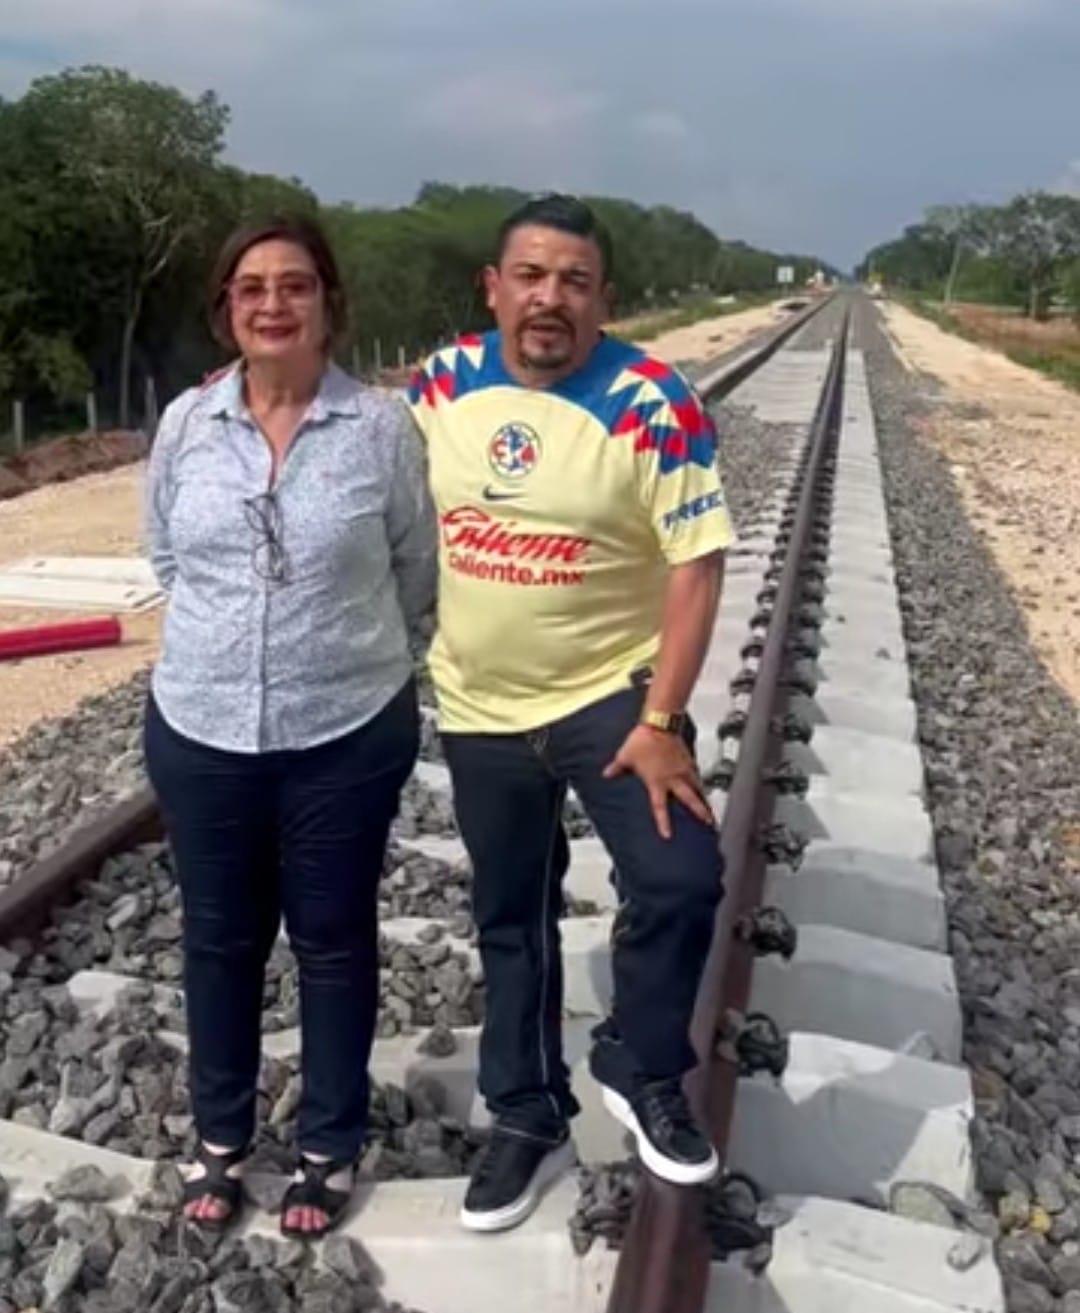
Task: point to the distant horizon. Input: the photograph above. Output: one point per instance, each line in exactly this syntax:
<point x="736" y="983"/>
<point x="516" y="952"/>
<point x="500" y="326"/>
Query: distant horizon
<point x="847" y="121"/>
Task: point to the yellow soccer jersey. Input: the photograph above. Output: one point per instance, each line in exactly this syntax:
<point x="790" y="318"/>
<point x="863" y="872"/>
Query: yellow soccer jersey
<point x="560" y="511"/>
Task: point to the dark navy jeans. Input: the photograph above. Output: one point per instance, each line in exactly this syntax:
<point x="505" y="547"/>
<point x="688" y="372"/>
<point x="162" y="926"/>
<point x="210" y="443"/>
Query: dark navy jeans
<point x="508" y="796"/>
<point x="295" y="834"/>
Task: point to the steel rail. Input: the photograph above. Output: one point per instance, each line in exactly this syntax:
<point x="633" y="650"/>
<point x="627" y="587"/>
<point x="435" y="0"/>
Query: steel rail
<point x="664" y="1263"/>
<point x="726" y="378"/>
<point x="26" y="903"/>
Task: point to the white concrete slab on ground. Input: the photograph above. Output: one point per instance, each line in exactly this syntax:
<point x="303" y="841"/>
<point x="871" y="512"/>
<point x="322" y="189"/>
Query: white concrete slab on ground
<point x="747" y="566"/>
<point x="712" y="695"/>
<point x="867" y="519"/>
<point x="863" y="989"/>
<point x="854" y="760"/>
<point x="33" y="1159"/>
<point x="888" y="717"/>
<point x="871" y="567"/>
<point x="434" y="775"/>
<point x="837" y="1258"/>
<point x="905" y="1118"/>
<point x="588" y="878"/>
<point x="898" y="825"/>
<point x="851" y="590"/>
<point x="398" y="1061"/>
<point x="847" y="1121"/>
<point x="409" y="1228"/>
<point x="879" y="676"/>
<point x="427" y="1260"/>
<point x="724" y="657"/>
<point x="851" y="594"/>
<point x="96" y="992"/>
<point x="738" y="600"/>
<point x="449" y="849"/>
<point x="884" y="617"/>
<point x="708" y="706"/>
<point x="80" y="583"/>
<point x="588" y="989"/>
<point x="397" y="1221"/>
<point x="753" y="546"/>
<point x="854" y="642"/>
<point x="134" y="570"/>
<point x="786" y="389"/>
<point x="869" y="893"/>
<point x="848" y="541"/>
<point x="587" y="982"/>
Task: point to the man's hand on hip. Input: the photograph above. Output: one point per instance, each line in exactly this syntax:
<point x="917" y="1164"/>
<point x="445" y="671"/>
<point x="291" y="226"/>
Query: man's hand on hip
<point x="665" y="766"/>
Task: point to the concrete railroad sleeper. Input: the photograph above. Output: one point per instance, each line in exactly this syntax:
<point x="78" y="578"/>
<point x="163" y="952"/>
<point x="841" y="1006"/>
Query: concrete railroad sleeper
<point x="841" y="1046"/>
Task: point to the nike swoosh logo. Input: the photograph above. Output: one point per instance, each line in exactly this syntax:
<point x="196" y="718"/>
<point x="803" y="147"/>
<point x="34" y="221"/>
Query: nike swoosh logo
<point x="493" y="494"/>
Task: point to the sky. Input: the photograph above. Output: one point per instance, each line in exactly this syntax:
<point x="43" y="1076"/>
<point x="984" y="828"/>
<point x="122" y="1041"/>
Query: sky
<point x="818" y="126"/>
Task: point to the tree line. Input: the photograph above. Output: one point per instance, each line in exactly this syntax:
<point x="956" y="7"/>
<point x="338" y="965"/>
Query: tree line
<point x="115" y="199"/>
<point x="1025" y="253"/>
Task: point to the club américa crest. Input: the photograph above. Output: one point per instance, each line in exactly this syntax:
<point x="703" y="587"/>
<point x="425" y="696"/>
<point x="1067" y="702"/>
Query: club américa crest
<point x="514" y="451"/>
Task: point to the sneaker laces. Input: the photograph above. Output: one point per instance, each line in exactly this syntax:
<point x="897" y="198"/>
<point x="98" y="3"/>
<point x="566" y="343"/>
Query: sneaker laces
<point x="489" y="1163"/>
<point x="666" y="1109"/>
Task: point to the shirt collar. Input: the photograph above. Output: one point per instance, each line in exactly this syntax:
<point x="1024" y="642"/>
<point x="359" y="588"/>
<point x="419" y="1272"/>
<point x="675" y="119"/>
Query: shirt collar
<point x="339" y="394"/>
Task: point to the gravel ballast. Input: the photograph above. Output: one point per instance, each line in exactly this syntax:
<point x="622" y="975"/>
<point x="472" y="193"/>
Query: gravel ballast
<point x="1002" y="755"/>
<point x="65" y="773"/>
<point x="117" y="1082"/>
<point x="71" y="1254"/>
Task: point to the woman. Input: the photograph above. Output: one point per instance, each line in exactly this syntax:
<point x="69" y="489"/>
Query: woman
<point x="290" y="524"/>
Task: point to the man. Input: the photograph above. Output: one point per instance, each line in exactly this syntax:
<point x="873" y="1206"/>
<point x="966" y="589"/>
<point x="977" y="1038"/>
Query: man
<point x="583" y="526"/>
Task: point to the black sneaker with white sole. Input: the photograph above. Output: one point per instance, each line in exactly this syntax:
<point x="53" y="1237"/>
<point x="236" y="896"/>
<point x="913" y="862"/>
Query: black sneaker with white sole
<point x="656" y="1113"/>
<point x="510" y="1178"/>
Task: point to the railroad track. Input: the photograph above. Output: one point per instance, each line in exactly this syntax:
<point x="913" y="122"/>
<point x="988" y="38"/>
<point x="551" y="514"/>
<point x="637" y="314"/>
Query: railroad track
<point x="827" y="1025"/>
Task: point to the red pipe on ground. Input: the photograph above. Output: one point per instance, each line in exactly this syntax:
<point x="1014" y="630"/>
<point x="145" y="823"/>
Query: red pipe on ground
<point x="73" y="636"/>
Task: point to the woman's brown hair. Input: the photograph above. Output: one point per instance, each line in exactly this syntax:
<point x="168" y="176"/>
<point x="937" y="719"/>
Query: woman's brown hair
<point x="301" y="232"/>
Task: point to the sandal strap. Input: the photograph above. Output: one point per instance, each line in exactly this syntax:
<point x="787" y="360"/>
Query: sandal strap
<point x="226" y="1191"/>
<point x="217" y="1165"/>
<point x="314" y="1191"/>
<point x="215" y="1183"/>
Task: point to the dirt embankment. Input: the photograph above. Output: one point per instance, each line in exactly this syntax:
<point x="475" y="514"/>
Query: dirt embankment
<point x="1013" y="439"/>
<point x="62" y="459"/>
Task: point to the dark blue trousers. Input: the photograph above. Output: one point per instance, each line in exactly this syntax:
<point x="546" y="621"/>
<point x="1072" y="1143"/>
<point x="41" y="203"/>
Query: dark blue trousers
<point x="294" y="834"/>
<point x="508" y="795"/>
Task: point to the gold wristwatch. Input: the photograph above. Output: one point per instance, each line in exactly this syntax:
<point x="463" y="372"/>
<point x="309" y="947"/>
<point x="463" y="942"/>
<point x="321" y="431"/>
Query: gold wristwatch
<point x="671" y="722"/>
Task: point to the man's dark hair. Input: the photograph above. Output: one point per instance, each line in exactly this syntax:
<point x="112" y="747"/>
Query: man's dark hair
<point x="566" y="214"/>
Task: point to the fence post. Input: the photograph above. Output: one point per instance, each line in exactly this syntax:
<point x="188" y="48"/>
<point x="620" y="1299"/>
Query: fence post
<point x="18" y="423"/>
<point x="401" y="357"/>
<point x="150" y="408"/>
<point x="91" y="412"/>
<point x="356" y="360"/>
<point x="378" y="356"/>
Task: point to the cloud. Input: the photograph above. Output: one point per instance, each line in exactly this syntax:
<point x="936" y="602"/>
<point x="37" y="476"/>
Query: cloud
<point x="496" y="104"/>
<point x="76" y="22"/>
<point x="663" y="126"/>
<point x="193" y="43"/>
<point x="1068" y="184"/>
<point x="906" y="12"/>
<point x="820" y="125"/>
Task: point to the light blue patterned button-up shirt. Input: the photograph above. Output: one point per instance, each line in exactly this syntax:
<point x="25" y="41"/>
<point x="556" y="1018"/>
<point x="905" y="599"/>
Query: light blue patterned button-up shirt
<point x="253" y="665"/>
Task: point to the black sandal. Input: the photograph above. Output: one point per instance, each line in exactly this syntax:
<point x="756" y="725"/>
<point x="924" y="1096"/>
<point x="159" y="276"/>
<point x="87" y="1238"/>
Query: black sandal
<point x="216" y="1184"/>
<point x="314" y="1192"/>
